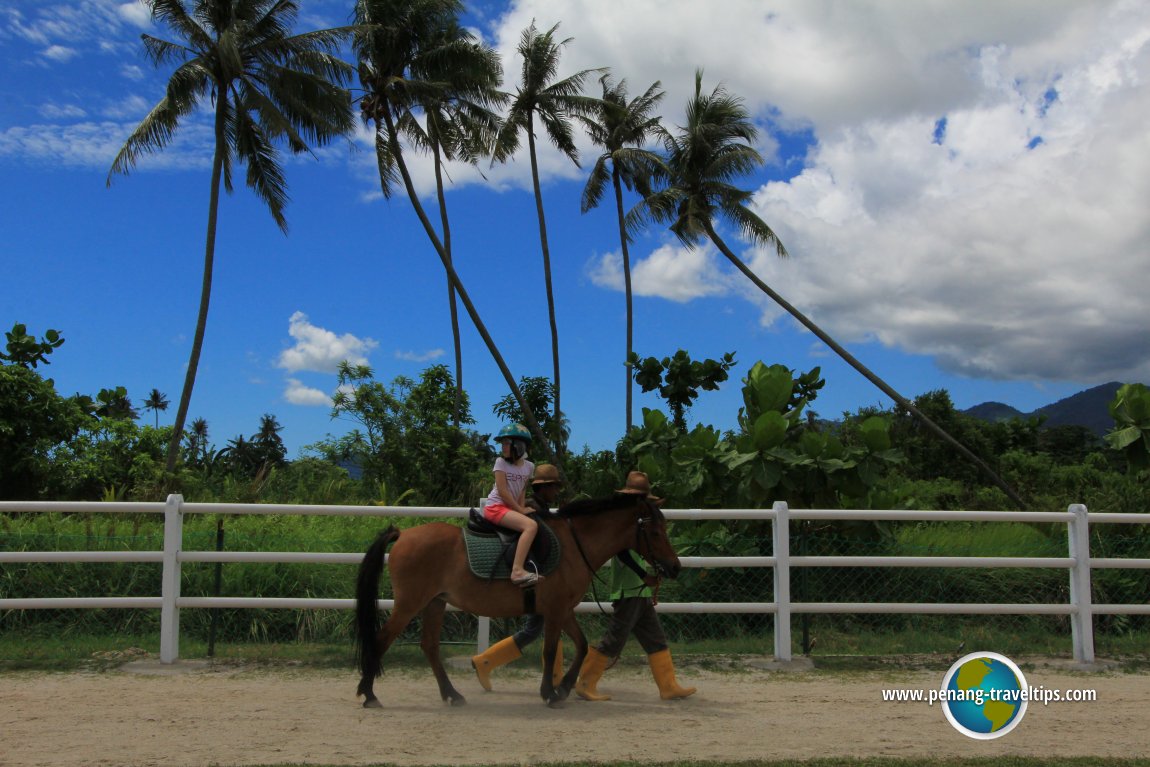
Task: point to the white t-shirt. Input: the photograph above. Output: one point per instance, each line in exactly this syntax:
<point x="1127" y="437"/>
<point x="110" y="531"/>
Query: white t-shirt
<point x="517" y="477"/>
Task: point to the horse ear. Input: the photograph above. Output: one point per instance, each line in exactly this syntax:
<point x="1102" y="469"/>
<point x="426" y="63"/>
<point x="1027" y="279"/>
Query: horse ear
<point x="657" y="502"/>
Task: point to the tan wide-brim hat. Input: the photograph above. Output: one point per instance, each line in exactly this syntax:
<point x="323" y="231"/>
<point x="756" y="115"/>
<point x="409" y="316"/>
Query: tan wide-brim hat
<point x="546" y="474"/>
<point x="638" y="483"/>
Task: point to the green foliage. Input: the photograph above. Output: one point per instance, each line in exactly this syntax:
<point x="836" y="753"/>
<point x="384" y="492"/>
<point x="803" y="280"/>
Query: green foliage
<point x="789" y="458"/>
<point x="591" y="474"/>
<point x="776" y="455"/>
<point x="115" y="404"/>
<point x="25" y="350"/>
<point x="678" y="379"/>
<point x="407" y="440"/>
<point x="539" y="392"/>
<point x="1130" y="410"/>
<point x="34" y="421"/>
<point x="110" y="457"/>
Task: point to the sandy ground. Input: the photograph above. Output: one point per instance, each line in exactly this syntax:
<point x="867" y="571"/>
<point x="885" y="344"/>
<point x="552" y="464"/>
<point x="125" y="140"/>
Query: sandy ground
<point x="197" y="714"/>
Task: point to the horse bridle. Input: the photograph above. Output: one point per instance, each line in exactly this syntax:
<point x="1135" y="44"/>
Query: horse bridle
<point x="642" y="540"/>
<point x="643" y="536"/>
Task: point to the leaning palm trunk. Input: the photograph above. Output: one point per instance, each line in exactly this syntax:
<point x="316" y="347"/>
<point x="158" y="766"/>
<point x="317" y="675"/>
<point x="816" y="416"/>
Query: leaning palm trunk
<point x="866" y="372"/>
<point x="457" y="284"/>
<point x="205" y="289"/>
<point x="558" y="420"/>
<point x="446" y="224"/>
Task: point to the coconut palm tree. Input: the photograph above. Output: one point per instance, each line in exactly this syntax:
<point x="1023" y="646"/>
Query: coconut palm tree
<point x="156" y="402"/>
<point x="396" y="42"/>
<point x="459" y="124"/>
<point x="197" y="439"/>
<point x="264" y="85"/>
<point x="554" y="102"/>
<point x="622" y="128"/>
<point x="267" y="444"/>
<point x="704" y="156"/>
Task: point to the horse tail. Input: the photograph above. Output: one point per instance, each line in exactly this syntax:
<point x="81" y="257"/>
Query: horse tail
<point x="366" y="607"/>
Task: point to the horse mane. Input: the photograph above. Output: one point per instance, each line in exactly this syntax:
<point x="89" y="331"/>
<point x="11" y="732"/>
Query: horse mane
<point x="587" y="506"/>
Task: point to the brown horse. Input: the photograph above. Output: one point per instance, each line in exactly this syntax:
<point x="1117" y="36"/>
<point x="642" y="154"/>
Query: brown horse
<point x="429" y="570"/>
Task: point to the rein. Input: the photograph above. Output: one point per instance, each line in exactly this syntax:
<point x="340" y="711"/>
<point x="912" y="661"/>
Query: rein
<point x="583" y="554"/>
<point x="642" y="536"/>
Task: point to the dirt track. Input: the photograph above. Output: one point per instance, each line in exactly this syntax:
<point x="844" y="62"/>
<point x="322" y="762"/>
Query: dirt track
<point x="204" y="715"/>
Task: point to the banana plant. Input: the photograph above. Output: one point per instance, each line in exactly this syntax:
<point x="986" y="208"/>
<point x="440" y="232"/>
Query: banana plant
<point x="1130" y="410"/>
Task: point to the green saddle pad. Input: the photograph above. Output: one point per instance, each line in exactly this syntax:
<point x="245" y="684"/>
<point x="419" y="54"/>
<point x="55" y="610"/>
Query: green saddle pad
<point x="486" y="559"/>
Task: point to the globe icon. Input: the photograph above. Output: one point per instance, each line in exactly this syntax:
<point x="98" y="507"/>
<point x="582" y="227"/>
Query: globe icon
<point x="984" y="695"/>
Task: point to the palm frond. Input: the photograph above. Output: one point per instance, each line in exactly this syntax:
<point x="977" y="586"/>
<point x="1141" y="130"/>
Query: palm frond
<point x="560" y="133"/>
<point x="389" y="175"/>
<point x="172" y="13"/>
<point x="265" y="174"/>
<point x="596" y="184"/>
<point x="226" y="114"/>
<point x="161" y="52"/>
<point x="151" y="135"/>
<point x="155" y="131"/>
<point x="269" y="21"/>
<point x="276" y="120"/>
<point x="317" y="109"/>
<point x="753" y="228"/>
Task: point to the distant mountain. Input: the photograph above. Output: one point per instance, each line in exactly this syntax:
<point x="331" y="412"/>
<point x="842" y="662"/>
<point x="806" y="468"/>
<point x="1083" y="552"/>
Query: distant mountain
<point x="1086" y="408"/>
<point x="994" y="411"/>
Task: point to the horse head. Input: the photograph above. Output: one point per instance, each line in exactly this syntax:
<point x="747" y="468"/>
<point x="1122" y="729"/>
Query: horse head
<point x="652" y="541"/>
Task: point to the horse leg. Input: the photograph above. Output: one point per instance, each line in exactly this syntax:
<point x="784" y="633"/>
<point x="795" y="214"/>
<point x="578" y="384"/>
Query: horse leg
<point x="552" y="631"/>
<point x="429" y="642"/>
<point x="575" y="631"/>
<point x="392" y="629"/>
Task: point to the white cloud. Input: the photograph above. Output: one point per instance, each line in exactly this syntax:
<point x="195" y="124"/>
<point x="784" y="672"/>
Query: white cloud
<point x="999" y="259"/>
<point x="298" y="394"/>
<point x="135" y="13"/>
<point x="321" y="350"/>
<point x="673" y="272"/>
<point x="133" y="107"/>
<point x="59" y="53"/>
<point x="95" y="144"/>
<point x="62" y="112"/>
<point x="80" y="20"/>
<point x="427" y="356"/>
<point x="1015" y="247"/>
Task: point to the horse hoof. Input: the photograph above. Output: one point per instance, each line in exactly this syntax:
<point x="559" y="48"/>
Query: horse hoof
<point x="372" y="703"/>
<point x="558" y="703"/>
<point x="458" y="700"/>
<point x="561" y="693"/>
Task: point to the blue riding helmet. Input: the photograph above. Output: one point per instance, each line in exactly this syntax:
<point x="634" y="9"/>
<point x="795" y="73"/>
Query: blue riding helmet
<point x="514" y="431"/>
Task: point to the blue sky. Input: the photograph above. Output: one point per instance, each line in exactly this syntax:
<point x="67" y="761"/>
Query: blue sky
<point x="963" y="188"/>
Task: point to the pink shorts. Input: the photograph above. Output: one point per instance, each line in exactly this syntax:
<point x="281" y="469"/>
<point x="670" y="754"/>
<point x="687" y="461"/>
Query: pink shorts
<point x="495" y="512"/>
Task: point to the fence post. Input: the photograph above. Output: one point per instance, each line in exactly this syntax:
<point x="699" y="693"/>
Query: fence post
<point x="170" y="580"/>
<point x="782" y="544"/>
<point x="483" y="638"/>
<point x="1082" y="619"/>
<point x="483" y="629"/>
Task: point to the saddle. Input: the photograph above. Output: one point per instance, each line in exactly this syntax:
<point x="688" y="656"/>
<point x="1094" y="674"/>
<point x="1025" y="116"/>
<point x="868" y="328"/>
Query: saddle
<point x="491" y="548"/>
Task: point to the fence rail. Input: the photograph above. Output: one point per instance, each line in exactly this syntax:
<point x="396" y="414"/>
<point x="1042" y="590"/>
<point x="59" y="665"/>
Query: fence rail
<point x="1079" y="564"/>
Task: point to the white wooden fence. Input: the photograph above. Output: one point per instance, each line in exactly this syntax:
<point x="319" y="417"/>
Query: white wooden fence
<point x="1078" y="563"/>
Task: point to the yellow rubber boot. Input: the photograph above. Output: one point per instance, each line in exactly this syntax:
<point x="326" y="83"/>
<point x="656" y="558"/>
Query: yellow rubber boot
<point x="499" y="654"/>
<point x="589" y="675"/>
<point x="557" y="669"/>
<point x="664" y="672"/>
